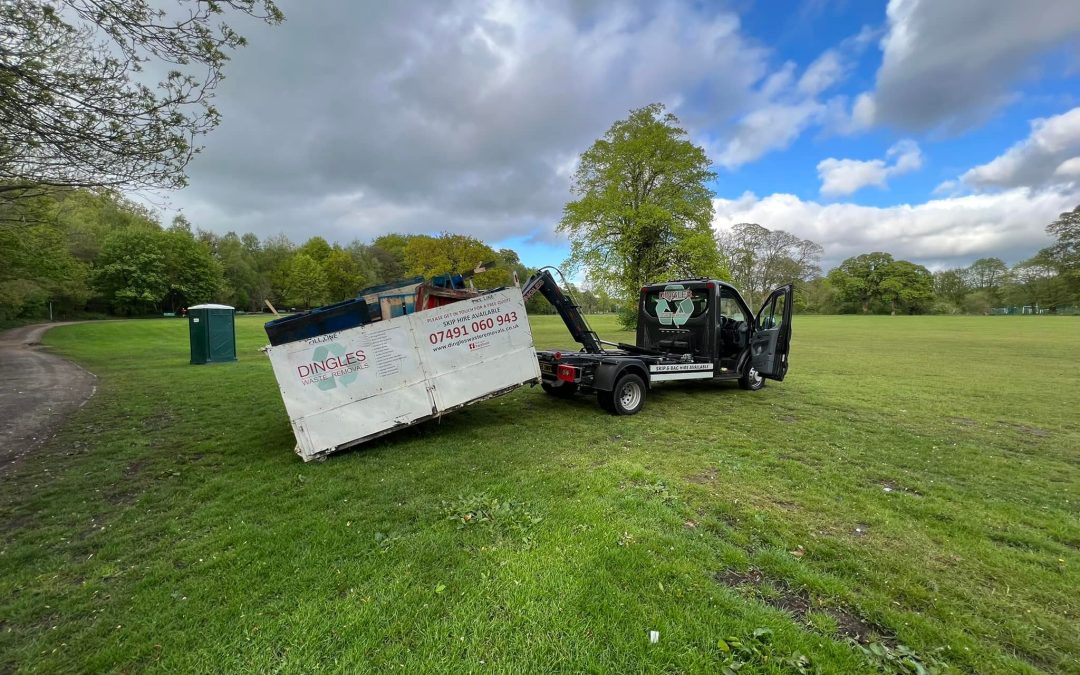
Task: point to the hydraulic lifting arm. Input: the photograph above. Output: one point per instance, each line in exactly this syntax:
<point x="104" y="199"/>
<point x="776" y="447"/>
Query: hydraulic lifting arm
<point x="543" y="282"/>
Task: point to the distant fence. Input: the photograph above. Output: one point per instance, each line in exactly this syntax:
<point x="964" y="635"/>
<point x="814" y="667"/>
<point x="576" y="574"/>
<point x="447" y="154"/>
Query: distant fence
<point x="1035" y="309"/>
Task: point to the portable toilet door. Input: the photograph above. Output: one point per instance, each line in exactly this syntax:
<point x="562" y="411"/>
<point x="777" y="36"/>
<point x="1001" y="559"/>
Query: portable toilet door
<point x="212" y="329"/>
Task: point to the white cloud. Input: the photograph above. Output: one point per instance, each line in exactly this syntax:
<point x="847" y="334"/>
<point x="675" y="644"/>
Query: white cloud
<point x="845" y="176"/>
<point x="1040" y="159"/>
<point x="772" y="127"/>
<point x="1070" y="168"/>
<point x="939" y="232"/>
<point x="786" y="107"/>
<point x="951" y="63"/>
<point x="412" y="116"/>
<point x="823" y="73"/>
<point x="906" y="157"/>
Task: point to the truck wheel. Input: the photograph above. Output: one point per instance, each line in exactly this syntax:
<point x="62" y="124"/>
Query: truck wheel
<point x="751" y="380"/>
<point x="561" y="390"/>
<point x="628" y="397"/>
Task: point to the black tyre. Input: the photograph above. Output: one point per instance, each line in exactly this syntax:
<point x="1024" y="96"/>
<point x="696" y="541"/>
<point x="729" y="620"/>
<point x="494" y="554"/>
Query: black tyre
<point x="561" y="389"/>
<point x="604" y="400"/>
<point x="751" y="380"/>
<point x="628" y="397"/>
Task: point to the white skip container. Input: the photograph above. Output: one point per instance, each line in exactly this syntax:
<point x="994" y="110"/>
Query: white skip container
<point x="344" y="388"/>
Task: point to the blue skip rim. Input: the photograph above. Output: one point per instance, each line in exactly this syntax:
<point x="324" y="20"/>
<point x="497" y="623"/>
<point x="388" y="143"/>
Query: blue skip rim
<point x="319" y="321"/>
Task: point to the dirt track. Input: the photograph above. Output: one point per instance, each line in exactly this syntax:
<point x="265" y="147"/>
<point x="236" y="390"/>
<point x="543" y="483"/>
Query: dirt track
<point x="37" y="391"/>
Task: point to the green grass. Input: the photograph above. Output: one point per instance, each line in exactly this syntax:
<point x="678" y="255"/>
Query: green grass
<point x="914" y="479"/>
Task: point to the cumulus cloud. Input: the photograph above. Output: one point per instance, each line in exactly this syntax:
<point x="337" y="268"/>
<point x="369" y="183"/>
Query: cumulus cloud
<point x="1047" y="156"/>
<point x="824" y="72"/>
<point x="769" y="128"/>
<point x="950" y="63"/>
<point x="1070" y="169"/>
<point x="785" y="107"/>
<point x="937" y="233"/>
<point x="363" y="118"/>
<point x="845" y="176"/>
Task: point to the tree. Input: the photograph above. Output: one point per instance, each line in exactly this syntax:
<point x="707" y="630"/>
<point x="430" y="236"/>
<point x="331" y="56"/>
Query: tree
<point x="431" y="256"/>
<point x="988" y="275"/>
<point x="907" y="287"/>
<point x="36" y="267"/>
<point x="508" y="260"/>
<point x="816" y="296"/>
<point x="192" y="274"/>
<point x="1038" y="282"/>
<point x="951" y="286"/>
<point x="643" y="211"/>
<point x="760" y="259"/>
<point x="317" y="248"/>
<point x="857" y="281"/>
<point x="875" y="282"/>
<point x="367" y="261"/>
<point x="241" y="284"/>
<point x="274" y="260"/>
<point x="389" y="250"/>
<point x="130" y="271"/>
<point x="305" y="285"/>
<point x="75" y="110"/>
<point x="1064" y="254"/>
<point x="1066" y="229"/>
<point x="344" y="278"/>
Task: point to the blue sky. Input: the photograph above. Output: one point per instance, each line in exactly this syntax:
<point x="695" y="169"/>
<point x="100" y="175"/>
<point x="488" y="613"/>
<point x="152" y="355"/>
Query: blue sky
<point x="937" y="131"/>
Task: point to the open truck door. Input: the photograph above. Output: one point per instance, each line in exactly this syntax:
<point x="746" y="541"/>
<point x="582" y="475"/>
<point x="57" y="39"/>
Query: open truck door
<point x="771" y="340"/>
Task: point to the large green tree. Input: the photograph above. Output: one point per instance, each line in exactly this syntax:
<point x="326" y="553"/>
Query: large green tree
<point x="241" y="287"/>
<point x="344" y="278"/>
<point x="431" y="256"/>
<point x="192" y="274"/>
<point x="874" y="282"/>
<point x="643" y="211"/>
<point x="305" y="284"/>
<point x="389" y="250"/>
<point x="907" y="287"/>
<point x="36" y="268"/>
<point x="857" y="281"/>
<point x="274" y="260"/>
<point x="131" y="271"/>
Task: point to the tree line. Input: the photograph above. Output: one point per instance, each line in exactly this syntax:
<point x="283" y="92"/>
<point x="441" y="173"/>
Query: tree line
<point x="100" y="253"/>
<point x="876" y="283"/>
<point x="103" y="253"/>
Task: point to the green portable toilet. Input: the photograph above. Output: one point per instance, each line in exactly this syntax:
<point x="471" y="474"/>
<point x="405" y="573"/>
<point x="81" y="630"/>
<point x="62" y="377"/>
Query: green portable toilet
<point x="213" y="333"/>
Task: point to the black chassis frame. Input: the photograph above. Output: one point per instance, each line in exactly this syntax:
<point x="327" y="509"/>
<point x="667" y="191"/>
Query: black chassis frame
<point x="599" y="372"/>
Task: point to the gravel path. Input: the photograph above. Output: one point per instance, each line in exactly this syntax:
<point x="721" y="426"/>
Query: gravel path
<point x="38" y="390"/>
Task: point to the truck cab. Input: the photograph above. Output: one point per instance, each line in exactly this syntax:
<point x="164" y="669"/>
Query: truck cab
<point x="687" y="329"/>
<point x="709" y="321"/>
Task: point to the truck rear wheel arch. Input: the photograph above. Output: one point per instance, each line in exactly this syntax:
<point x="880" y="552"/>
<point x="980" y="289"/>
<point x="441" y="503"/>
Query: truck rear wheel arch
<point x="607" y="374"/>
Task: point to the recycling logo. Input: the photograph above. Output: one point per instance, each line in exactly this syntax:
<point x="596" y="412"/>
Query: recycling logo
<point x="674" y="305"/>
<point x="323" y="353"/>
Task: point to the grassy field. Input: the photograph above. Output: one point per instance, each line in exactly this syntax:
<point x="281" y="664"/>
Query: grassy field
<point x="910" y="492"/>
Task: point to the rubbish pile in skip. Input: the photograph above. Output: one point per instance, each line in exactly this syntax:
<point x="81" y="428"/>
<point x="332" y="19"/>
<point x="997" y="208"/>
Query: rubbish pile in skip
<point x="395" y="355"/>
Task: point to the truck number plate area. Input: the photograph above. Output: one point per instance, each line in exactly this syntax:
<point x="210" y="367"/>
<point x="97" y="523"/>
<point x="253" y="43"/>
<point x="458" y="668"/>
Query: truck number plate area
<point x="547" y="368"/>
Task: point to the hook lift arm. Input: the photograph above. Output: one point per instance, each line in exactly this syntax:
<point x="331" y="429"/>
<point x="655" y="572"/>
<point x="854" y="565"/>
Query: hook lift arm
<point x="570" y="312"/>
